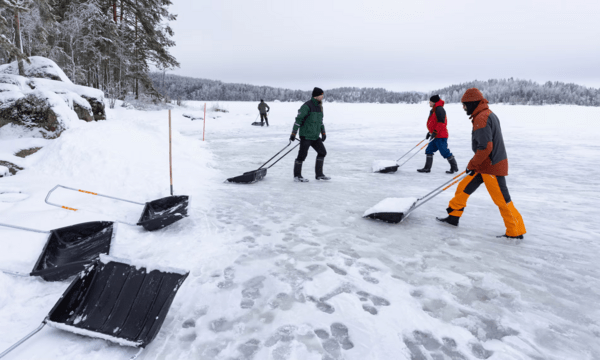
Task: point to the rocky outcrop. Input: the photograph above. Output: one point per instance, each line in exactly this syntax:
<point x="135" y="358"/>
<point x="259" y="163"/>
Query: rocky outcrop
<point x="97" y="107"/>
<point x="12" y="168"/>
<point x="32" y="111"/>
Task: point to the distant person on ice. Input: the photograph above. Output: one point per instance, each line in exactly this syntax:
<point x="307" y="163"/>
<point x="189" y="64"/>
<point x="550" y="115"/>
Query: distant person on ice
<point x="310" y="123"/>
<point x="489" y="166"/>
<point x="436" y="126"/>
<point x="264" y="109"/>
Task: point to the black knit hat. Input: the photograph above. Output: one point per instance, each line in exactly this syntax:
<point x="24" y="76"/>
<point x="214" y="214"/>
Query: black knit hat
<point x="317" y="92"/>
<point x="261" y="100"/>
<point x="434" y="98"/>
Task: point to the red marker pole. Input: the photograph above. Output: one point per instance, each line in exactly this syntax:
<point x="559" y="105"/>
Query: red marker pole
<point x="204" y="121"/>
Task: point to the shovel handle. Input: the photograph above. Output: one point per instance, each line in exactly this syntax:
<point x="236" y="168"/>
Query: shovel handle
<point x="23" y="340"/>
<point x="274" y="156"/>
<point x="24" y="228"/>
<point x="445" y="187"/>
<point x="87" y="192"/>
<point x="420" y="142"/>
<point x="416" y="152"/>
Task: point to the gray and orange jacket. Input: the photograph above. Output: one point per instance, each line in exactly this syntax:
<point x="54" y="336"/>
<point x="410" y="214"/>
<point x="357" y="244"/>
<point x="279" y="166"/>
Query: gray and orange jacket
<point x="487" y="142"/>
<point x="310" y="120"/>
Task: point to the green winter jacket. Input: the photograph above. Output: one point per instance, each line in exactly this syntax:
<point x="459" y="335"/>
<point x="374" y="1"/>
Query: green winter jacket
<point x="310" y="120"/>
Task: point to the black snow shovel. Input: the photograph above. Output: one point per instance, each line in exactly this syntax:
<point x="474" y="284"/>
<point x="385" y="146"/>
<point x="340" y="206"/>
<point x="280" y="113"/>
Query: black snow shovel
<point x="117" y="301"/>
<point x="253" y="176"/>
<point x="70" y="249"/>
<point x="394" y="210"/>
<point x="388" y="166"/>
<point x="156" y="214"/>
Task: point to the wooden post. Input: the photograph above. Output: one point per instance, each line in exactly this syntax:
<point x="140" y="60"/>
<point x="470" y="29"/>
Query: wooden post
<point x="204" y="122"/>
<point x="170" y="155"/>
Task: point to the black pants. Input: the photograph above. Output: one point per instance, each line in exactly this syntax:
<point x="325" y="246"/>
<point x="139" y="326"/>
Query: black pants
<point x="263" y="117"/>
<point x="306" y="144"/>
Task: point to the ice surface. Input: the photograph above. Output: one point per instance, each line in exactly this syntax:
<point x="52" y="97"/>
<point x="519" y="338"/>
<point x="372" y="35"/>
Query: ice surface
<point x="382" y="164"/>
<point x="282" y="270"/>
<point x="395" y="205"/>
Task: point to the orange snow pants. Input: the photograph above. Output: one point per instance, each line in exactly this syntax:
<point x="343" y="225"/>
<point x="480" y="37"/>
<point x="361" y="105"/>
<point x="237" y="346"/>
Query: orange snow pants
<point x="496" y="186"/>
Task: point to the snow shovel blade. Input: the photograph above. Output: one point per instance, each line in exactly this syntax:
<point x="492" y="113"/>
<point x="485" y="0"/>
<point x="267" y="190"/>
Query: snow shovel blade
<point x="69" y="249"/>
<point x="163" y="212"/>
<point x="389" y="169"/>
<point x="249" y="177"/>
<point x="391" y="210"/>
<point x="385" y="166"/>
<point x="256" y="123"/>
<point x="117" y="301"/>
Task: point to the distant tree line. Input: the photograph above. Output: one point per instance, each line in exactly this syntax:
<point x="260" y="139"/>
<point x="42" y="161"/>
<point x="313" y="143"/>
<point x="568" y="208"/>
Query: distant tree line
<point x="508" y="91"/>
<point x="525" y="92"/>
<point x="188" y="88"/>
<point x="106" y="44"/>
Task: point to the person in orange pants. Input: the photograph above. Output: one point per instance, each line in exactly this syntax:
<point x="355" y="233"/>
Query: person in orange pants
<point x="489" y="166"/>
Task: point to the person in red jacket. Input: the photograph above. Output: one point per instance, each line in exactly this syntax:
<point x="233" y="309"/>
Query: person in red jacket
<point x="488" y="166"/>
<point x="436" y="126"/>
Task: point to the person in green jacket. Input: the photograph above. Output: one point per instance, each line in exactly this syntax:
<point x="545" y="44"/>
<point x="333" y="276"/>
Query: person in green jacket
<point x="310" y="123"/>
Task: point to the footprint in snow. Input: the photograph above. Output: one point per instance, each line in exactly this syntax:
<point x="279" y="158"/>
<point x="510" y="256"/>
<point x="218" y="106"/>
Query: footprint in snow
<point x="336" y="342"/>
<point x="251" y="291"/>
<point x="228" y="275"/>
<point x="371" y="303"/>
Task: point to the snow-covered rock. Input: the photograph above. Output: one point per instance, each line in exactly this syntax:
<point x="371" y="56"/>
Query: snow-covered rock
<point x="47" y="100"/>
<point x="39" y="67"/>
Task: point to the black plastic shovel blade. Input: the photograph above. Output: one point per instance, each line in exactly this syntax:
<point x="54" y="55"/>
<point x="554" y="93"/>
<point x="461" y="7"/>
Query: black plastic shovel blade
<point x="249" y="177"/>
<point x="256" y="123"/>
<point x="118" y="302"/>
<point x="69" y="249"/>
<point x="388" y="217"/>
<point x="163" y="212"/>
<point x="389" y="169"/>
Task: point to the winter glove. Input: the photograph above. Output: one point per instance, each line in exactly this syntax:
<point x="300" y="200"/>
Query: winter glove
<point x="292" y="137"/>
<point x="434" y="135"/>
<point x="470" y="172"/>
<point x="428" y="136"/>
<point x="323" y="137"/>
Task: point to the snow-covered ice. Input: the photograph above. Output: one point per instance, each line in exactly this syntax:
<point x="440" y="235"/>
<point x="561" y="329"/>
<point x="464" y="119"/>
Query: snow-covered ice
<point x="284" y="270"/>
<point x="392" y="205"/>
<point x="379" y="165"/>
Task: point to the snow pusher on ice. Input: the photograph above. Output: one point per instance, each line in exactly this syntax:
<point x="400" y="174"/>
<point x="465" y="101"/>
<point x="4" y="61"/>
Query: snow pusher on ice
<point x="70" y="249"/>
<point x="253" y="176"/>
<point x="257" y="123"/>
<point x="156" y="214"/>
<point x="394" y="210"/>
<point x="115" y="300"/>
<point x="390" y="166"/>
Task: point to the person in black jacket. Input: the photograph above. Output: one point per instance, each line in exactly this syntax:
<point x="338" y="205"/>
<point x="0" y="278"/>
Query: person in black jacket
<point x="263" y="108"/>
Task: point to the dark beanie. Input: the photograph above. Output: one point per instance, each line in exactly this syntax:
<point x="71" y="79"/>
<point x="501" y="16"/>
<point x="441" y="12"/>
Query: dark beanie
<point x="317" y="92"/>
<point x="434" y="98"/>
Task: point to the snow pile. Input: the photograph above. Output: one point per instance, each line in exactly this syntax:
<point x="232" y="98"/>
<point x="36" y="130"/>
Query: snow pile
<point x="142" y="264"/>
<point x="379" y="165"/>
<point x="39" y="67"/>
<point x="4" y="171"/>
<point x="392" y="205"/>
<point x="93" y="334"/>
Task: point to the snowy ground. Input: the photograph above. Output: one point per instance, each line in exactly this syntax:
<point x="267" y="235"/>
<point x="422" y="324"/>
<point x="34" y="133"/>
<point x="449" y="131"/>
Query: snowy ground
<point x="282" y="270"/>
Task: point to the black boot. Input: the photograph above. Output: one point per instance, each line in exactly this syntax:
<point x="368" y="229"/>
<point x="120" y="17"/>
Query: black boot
<point x="319" y="170"/>
<point x="520" y="237"/>
<point x="298" y="172"/>
<point x="451" y="220"/>
<point x="428" y="163"/>
<point x="453" y="165"/>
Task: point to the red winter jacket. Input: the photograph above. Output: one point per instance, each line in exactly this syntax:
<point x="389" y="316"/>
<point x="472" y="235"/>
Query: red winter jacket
<point x="437" y="120"/>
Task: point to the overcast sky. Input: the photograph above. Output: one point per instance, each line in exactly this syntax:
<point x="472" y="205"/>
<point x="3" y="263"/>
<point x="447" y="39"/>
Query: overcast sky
<point x="398" y="45"/>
